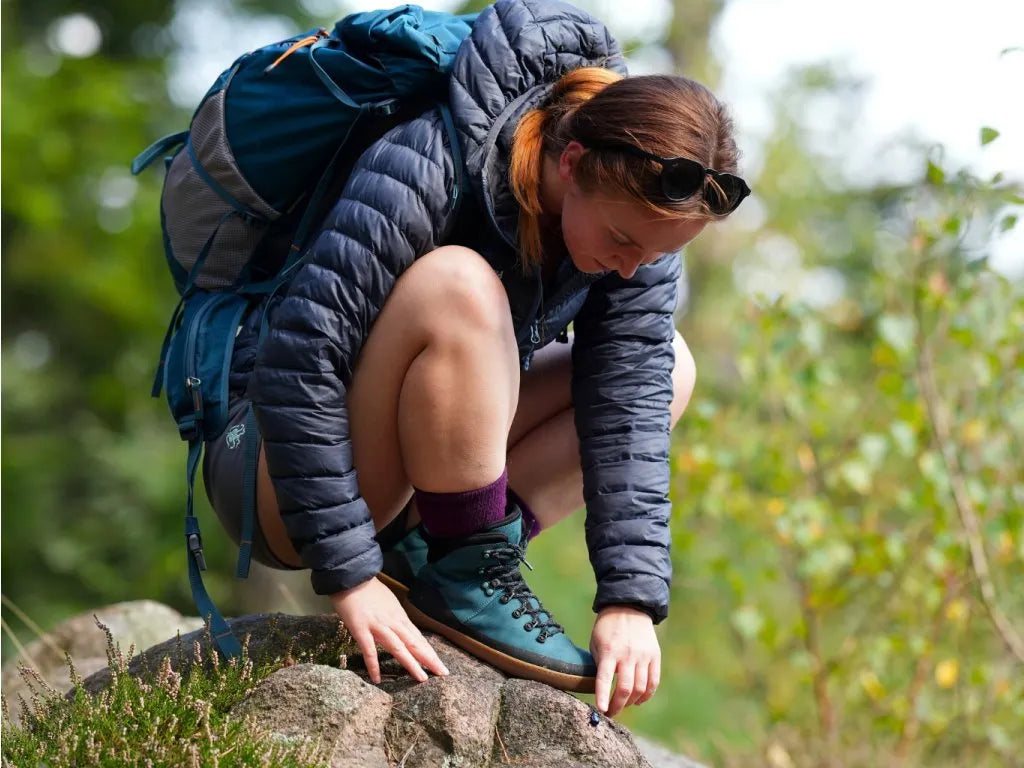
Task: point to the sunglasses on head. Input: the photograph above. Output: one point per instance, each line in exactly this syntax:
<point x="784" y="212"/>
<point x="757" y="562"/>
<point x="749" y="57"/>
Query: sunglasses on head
<point x="681" y="177"/>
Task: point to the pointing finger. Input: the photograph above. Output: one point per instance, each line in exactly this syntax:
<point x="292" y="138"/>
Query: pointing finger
<point x="605" y="672"/>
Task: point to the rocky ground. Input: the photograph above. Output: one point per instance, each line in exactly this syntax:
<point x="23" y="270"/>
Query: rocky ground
<point x="474" y="717"/>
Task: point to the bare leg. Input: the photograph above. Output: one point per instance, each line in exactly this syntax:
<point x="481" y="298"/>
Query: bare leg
<point x="434" y="389"/>
<point x="436" y="385"/>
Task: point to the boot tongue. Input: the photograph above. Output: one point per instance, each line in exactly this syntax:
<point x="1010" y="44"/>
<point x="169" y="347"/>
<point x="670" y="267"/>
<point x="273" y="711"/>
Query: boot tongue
<point x="510" y="526"/>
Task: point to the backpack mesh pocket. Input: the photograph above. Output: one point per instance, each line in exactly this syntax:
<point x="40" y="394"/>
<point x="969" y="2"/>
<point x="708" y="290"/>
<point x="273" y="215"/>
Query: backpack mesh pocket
<point x="206" y="195"/>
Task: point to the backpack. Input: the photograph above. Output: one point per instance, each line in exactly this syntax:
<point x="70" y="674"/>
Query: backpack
<point x="268" y="148"/>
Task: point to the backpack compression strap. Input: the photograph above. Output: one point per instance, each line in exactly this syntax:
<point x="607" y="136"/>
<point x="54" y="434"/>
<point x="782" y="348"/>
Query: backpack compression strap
<point x="226" y="642"/>
<point x="248" y="495"/>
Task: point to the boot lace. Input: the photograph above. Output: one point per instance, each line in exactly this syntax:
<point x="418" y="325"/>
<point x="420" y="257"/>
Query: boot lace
<point x="503" y="574"/>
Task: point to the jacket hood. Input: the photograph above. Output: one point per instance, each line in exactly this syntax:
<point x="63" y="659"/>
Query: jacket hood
<point x="509" y="64"/>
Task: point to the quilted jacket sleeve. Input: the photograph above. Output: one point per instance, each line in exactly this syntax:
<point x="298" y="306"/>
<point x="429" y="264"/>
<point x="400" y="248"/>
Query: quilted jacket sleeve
<point x="622" y="388"/>
<point x="395" y="208"/>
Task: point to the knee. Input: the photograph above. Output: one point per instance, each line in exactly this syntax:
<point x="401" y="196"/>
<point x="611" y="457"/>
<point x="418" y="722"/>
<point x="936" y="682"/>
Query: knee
<point x="463" y="289"/>
<point x="684" y="378"/>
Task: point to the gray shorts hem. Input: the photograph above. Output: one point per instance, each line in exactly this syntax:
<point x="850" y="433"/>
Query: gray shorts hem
<point x="223" y="470"/>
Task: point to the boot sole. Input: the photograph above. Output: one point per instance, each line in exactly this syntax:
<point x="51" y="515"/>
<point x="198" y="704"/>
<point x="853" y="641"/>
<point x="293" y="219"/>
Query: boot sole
<point x="508" y="664"/>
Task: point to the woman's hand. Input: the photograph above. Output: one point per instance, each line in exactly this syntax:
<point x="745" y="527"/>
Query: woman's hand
<point x="372" y="615"/>
<point x="623" y="643"/>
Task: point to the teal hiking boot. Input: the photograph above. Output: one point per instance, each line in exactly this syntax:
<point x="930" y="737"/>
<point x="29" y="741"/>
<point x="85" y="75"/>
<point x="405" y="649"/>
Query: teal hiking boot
<point x="405" y="553"/>
<point x="472" y="592"/>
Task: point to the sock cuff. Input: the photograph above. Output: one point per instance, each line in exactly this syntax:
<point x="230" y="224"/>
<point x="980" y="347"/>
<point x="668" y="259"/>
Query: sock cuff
<point x="463" y="512"/>
<point x="531" y="526"/>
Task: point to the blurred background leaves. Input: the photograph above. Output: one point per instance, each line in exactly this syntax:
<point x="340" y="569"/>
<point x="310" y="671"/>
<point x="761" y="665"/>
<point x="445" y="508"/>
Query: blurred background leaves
<point x="848" y="494"/>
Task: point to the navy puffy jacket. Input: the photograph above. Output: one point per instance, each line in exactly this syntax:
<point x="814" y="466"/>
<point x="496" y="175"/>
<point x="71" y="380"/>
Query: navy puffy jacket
<point x="396" y="207"/>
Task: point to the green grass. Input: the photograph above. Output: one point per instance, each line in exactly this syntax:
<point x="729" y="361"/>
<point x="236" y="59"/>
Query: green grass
<point x="164" y="718"/>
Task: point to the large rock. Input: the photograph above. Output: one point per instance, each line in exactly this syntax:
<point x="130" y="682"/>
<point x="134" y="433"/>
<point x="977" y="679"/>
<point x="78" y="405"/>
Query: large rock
<point x="475" y="717"/>
<point x="451" y="717"/>
<point x="332" y="706"/>
<point x="140" y="623"/>
<point x="529" y="708"/>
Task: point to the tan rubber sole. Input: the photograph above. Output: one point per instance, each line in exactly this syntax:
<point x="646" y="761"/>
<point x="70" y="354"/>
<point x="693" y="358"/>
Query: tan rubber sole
<point x="504" y="662"/>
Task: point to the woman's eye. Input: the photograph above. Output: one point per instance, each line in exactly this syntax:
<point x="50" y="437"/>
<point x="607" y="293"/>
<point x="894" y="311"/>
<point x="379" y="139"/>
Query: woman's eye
<point x="616" y="240"/>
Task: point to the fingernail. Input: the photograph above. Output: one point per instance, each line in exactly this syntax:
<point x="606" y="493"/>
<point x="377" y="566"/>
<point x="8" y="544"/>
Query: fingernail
<point x="444" y="670"/>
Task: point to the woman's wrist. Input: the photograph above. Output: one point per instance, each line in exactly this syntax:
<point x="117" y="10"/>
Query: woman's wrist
<point x="627" y="607"/>
<point x="343" y="593"/>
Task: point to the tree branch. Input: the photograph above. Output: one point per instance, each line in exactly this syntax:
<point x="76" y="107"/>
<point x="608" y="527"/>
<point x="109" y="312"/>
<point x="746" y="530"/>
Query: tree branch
<point x="965" y="508"/>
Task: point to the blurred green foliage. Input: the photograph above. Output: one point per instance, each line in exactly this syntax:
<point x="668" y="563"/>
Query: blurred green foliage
<point x="827" y="609"/>
<point x="849" y="423"/>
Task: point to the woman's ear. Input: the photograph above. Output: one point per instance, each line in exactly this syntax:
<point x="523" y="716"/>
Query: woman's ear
<point x="567" y="161"/>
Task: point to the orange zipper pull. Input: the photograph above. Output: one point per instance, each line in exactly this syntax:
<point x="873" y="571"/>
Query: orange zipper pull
<point x="300" y="44"/>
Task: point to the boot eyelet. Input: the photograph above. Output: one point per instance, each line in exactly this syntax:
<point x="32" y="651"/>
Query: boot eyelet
<point x="504" y="599"/>
<point x="516" y="613"/>
<point x="528" y="626"/>
<point x="488" y="592"/>
<point x="486" y="584"/>
<point x="541" y="637"/>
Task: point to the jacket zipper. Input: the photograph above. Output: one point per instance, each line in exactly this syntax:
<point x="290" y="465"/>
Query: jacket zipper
<point x="531" y="325"/>
<point x="571" y="287"/>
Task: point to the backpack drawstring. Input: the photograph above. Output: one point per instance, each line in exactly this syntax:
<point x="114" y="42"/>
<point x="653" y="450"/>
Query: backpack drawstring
<point x="300" y="44"/>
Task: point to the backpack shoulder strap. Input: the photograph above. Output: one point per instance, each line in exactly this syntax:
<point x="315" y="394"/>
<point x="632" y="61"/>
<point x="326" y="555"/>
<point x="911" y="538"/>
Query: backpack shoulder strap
<point x="453" y="140"/>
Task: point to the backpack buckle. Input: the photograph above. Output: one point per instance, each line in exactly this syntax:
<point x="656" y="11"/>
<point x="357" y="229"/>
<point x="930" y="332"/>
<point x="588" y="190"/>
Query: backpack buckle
<point x="195" y="548"/>
<point x="385" y="108"/>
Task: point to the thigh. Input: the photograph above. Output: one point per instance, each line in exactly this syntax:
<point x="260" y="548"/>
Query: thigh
<point x="419" y="308"/>
<point x="544" y="391"/>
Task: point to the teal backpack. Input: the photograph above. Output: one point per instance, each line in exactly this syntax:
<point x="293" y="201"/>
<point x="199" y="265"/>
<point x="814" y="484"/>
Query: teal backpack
<point x="267" y="151"/>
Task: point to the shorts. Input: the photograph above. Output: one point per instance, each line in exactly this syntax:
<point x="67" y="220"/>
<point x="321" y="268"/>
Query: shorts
<point x="223" y="470"/>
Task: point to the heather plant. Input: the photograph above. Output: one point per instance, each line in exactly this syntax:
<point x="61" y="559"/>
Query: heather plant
<point x="165" y="718"/>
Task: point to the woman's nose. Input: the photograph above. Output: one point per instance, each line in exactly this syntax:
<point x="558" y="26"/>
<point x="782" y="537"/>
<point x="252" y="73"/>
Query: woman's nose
<point x="626" y="266"/>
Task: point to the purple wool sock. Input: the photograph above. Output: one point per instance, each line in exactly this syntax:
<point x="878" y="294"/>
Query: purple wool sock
<point x="448" y="515"/>
<point x="530" y="524"/>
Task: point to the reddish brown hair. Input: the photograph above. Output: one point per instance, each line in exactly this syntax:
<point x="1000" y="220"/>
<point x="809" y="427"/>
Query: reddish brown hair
<point x="668" y="115"/>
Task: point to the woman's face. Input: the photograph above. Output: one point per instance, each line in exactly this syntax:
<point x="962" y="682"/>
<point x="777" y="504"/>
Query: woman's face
<point x="604" y="234"/>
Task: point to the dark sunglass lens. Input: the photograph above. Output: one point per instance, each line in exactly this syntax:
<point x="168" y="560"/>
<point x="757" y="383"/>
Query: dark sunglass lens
<point x="679" y="180"/>
<point x="732" y="187"/>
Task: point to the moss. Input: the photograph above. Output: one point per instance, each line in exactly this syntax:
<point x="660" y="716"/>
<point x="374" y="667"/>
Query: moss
<point x="164" y="718"/>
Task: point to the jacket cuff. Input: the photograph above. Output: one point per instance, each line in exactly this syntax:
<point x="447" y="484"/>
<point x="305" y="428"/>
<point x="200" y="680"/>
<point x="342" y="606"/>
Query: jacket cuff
<point x="351" y="573"/>
<point x="645" y="592"/>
